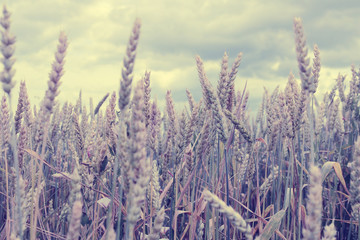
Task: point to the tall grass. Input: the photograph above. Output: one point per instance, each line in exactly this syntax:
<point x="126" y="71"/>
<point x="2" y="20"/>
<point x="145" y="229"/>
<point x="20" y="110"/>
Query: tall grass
<point x="130" y="171"/>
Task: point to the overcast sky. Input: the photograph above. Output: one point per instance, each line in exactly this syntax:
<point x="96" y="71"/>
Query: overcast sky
<point x="172" y="33"/>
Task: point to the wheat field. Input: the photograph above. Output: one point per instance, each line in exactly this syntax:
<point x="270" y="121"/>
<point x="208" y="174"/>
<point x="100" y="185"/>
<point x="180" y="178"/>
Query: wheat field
<point x="124" y="169"/>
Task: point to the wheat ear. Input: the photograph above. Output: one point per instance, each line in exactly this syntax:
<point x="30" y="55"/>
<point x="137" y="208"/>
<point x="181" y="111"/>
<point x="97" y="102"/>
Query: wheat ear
<point x="330" y="232"/>
<point x="56" y="73"/>
<point x="316" y="69"/>
<point x="355" y="181"/>
<point x="231" y="88"/>
<point x="234" y="217"/>
<point x="158" y="224"/>
<point x="314" y="206"/>
<point x="74" y="228"/>
<point x="223" y="81"/>
<point x="129" y="60"/>
<point x="8" y="41"/>
<point x="301" y="51"/>
<point x="140" y="167"/>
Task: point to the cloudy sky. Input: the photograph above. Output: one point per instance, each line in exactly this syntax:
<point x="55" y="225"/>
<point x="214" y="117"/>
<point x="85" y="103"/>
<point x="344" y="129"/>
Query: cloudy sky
<point x="172" y="33"/>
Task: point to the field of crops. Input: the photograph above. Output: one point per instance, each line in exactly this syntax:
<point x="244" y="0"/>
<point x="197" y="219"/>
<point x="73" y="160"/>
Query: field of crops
<point x="124" y="169"/>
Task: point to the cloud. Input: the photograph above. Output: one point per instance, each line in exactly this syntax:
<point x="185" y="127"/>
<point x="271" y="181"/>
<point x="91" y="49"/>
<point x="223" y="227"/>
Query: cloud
<point x="172" y="33"/>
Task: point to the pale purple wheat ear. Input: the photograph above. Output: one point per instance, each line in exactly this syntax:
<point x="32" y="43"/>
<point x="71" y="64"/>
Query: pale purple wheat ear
<point x="316" y="69"/>
<point x="211" y="100"/>
<point x="223" y="81"/>
<point x="5" y="121"/>
<point x="140" y="166"/>
<point x="7" y="50"/>
<point x="314" y="205"/>
<point x="190" y="99"/>
<point x="129" y="60"/>
<point x="147" y="97"/>
<point x="235" y="218"/>
<point x="230" y="83"/>
<point x="154" y="127"/>
<point x="53" y="86"/>
<point x="354" y="165"/>
<point x="172" y="116"/>
<point x="301" y="52"/>
<point x="56" y="72"/>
